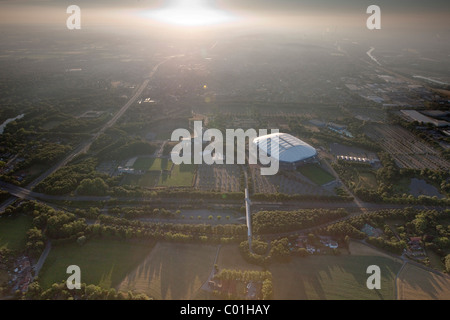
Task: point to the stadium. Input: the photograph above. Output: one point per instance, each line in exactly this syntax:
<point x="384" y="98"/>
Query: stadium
<point x="293" y="152"/>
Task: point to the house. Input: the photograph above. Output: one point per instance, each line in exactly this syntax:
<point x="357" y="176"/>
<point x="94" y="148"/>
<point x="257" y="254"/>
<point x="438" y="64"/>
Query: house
<point x="310" y="249"/>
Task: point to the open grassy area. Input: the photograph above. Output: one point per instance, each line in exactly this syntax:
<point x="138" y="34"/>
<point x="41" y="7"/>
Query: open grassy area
<point x="102" y="262"/>
<point x="3" y="276"/>
<point x="152" y="164"/>
<point x="181" y="176"/>
<point x="172" y="271"/>
<point x="316" y="174"/>
<point x="367" y="180"/>
<point x="332" y="277"/>
<point x="148" y="180"/>
<point x="435" y="261"/>
<point x="402" y="185"/>
<point x="415" y="283"/>
<point x="231" y="258"/>
<point x="164" y="135"/>
<point x="13" y="232"/>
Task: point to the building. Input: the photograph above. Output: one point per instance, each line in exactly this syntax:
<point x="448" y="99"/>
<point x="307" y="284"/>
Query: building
<point x="292" y="151"/>
<point x="413" y="115"/>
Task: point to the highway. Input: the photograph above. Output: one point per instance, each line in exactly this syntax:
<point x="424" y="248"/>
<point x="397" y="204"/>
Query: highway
<point x="27" y="194"/>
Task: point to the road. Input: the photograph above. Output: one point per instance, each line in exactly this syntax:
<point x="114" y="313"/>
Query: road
<point x="84" y="146"/>
<point x="42" y="258"/>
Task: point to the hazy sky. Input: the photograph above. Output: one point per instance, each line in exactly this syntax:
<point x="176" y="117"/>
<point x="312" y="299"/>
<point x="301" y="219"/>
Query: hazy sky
<point x="401" y="15"/>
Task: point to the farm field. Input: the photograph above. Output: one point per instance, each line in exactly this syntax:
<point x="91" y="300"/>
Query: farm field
<point x="180" y="176"/>
<point x="223" y="178"/>
<point x="332" y="277"/>
<point x="287" y="183"/>
<point x="172" y="271"/>
<point x="102" y="262"/>
<point x="359" y="249"/>
<point x="316" y="174"/>
<point x="152" y="164"/>
<point x="13" y="232"/>
<point x="415" y="283"/>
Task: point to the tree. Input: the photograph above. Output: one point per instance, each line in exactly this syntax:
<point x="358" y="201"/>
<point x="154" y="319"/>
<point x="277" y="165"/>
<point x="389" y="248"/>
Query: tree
<point x="97" y="187"/>
<point x="447" y="263"/>
<point x="302" y="252"/>
<point x="347" y="240"/>
<point x="267" y="289"/>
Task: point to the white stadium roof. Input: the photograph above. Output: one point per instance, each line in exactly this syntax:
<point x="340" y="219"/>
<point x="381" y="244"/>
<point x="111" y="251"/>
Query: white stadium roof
<point x="291" y="149"/>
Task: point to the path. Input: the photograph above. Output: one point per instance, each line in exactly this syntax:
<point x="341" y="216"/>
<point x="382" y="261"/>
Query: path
<point x="205" y="285"/>
<point x="38" y="266"/>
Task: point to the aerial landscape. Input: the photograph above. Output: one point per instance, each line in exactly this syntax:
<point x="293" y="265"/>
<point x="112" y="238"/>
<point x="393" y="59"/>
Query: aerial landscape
<point x="224" y="150"/>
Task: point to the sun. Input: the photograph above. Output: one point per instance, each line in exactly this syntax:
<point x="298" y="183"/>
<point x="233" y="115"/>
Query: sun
<point x="190" y="13"/>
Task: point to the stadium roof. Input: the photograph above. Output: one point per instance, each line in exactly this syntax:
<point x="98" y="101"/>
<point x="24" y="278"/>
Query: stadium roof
<point x="291" y="149"/>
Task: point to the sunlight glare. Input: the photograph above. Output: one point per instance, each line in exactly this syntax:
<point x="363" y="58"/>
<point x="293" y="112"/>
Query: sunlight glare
<point x="190" y="13"/>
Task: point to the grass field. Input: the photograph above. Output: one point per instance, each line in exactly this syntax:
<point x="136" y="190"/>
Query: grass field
<point x="102" y="262"/>
<point x="402" y="185"/>
<point x="172" y="271"/>
<point x="231" y="258"/>
<point x="3" y="279"/>
<point x="148" y="180"/>
<point x="316" y="174"/>
<point x="415" y="283"/>
<point x="13" y="232"/>
<point x="367" y="180"/>
<point x="435" y="261"/>
<point x="181" y="176"/>
<point x="332" y="278"/>
<point x="3" y="276"/>
<point x="152" y="164"/>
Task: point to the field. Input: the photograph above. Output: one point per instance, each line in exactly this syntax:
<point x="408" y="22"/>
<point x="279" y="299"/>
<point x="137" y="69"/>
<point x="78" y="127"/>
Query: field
<point x="415" y="283"/>
<point x="316" y="174"/>
<point x="435" y="260"/>
<point x="332" y="278"/>
<point x="287" y="183"/>
<point x="231" y="258"/>
<point x="180" y="176"/>
<point x="3" y="276"/>
<point x="152" y="164"/>
<point x="359" y="249"/>
<point x="223" y="178"/>
<point x="102" y="262"/>
<point x="172" y="271"/>
<point x="367" y="180"/>
<point x="13" y="232"/>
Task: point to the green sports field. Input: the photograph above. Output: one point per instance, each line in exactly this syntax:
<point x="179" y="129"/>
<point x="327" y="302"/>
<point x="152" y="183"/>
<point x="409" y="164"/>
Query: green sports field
<point x="316" y="174"/>
<point x="152" y="164"/>
<point x="180" y="176"/>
